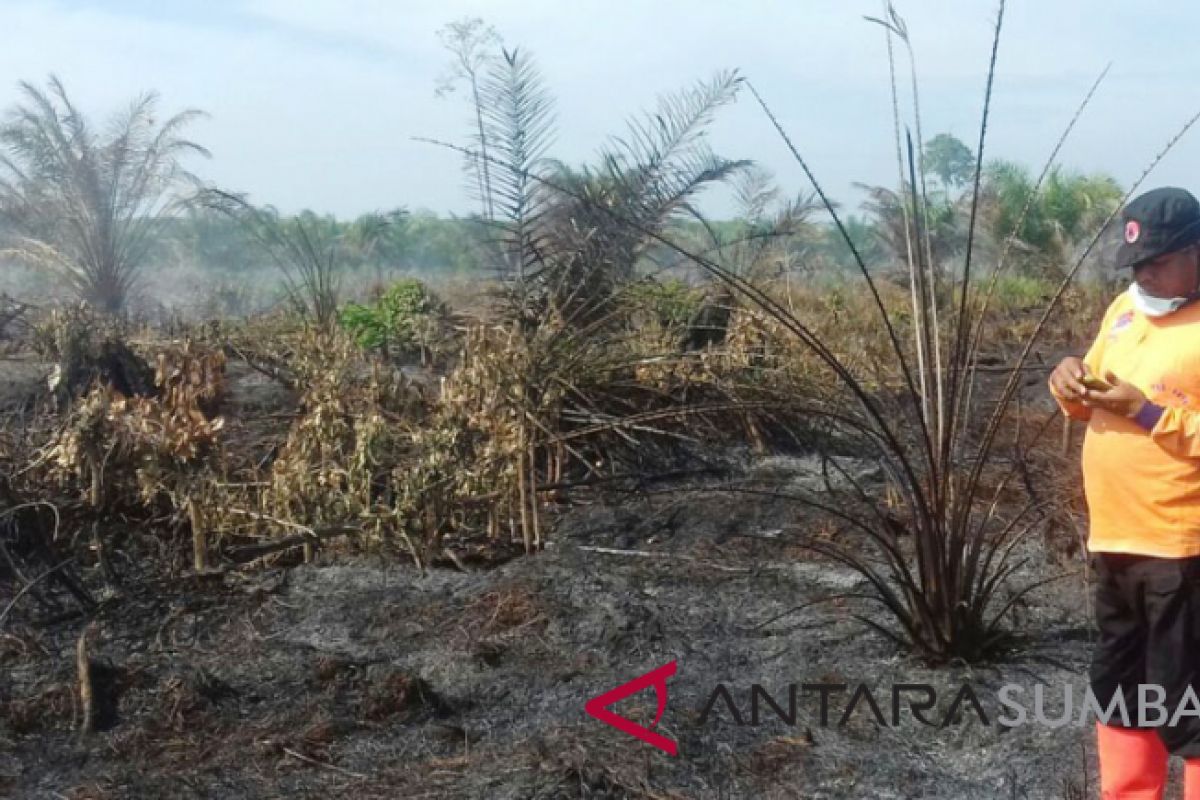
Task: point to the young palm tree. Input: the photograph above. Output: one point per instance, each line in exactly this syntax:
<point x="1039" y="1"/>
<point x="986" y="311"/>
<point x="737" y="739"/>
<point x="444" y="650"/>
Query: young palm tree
<point x="310" y="250"/>
<point x="571" y="246"/>
<point x="86" y="204"/>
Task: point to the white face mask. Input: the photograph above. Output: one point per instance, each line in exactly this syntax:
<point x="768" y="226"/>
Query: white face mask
<point x="1155" y="306"/>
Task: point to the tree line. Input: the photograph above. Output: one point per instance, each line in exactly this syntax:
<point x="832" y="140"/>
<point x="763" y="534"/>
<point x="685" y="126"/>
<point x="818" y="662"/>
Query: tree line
<point x="95" y="205"/>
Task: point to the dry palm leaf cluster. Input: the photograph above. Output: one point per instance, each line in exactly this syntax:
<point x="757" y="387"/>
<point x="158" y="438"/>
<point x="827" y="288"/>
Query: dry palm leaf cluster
<point x="354" y="418"/>
<point x="119" y="446"/>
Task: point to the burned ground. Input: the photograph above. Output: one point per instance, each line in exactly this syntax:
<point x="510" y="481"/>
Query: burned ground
<point x="360" y="674"/>
<point x="355" y="677"/>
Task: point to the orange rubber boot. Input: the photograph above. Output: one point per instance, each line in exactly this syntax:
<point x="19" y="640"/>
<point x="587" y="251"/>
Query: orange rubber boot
<point x="1133" y="764"/>
<point x="1191" y="779"/>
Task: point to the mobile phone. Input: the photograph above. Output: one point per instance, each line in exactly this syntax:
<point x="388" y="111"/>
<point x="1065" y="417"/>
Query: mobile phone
<point x="1095" y="383"/>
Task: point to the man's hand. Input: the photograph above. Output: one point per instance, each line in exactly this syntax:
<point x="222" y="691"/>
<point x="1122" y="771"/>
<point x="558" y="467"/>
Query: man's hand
<point x="1124" y="398"/>
<point x="1064" y="381"/>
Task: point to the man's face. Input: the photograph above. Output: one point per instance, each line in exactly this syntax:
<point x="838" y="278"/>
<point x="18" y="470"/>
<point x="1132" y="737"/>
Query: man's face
<point x="1170" y="275"/>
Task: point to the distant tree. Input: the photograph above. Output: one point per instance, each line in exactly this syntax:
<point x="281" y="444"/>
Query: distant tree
<point x="89" y="205"/>
<point x="886" y="210"/>
<point x="209" y="240"/>
<point x="366" y="240"/>
<point x="431" y="244"/>
<point x="831" y="248"/>
<point x="772" y="235"/>
<point x="364" y="234"/>
<point x="1069" y="207"/>
<point x="950" y="160"/>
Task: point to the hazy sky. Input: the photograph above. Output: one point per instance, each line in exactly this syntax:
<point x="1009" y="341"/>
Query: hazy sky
<point x="313" y="103"/>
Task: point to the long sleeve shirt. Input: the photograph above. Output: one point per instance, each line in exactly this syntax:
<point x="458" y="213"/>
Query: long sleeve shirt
<point x="1141" y="476"/>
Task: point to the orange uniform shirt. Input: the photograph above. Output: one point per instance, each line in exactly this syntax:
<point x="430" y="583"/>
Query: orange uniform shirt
<point x="1143" y="486"/>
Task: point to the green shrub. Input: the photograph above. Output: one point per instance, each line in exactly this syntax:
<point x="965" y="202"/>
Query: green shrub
<point x="408" y="317"/>
<point x="1019" y="292"/>
<point x="671" y="302"/>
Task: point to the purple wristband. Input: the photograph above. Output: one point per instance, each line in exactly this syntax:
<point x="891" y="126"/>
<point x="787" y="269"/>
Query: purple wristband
<point x="1147" y="418"/>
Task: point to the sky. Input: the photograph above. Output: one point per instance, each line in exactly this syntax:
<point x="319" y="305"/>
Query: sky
<point x="316" y="103"/>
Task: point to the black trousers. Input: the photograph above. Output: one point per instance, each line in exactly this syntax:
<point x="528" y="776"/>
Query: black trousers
<point x="1148" y="612"/>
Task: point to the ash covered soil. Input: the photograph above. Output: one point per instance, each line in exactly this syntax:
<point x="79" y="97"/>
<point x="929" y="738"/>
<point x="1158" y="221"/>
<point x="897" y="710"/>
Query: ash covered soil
<point x="359" y="677"/>
<point x="353" y="678"/>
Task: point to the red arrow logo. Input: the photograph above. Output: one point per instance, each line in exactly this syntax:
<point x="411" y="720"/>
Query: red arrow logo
<point x="598" y="707"/>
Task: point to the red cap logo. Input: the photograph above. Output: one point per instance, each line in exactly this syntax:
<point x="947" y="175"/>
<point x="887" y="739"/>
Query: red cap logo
<point x="1132" y="231"/>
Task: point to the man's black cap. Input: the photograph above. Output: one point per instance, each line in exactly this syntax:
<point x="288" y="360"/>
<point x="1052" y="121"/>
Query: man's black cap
<point x="1158" y="222"/>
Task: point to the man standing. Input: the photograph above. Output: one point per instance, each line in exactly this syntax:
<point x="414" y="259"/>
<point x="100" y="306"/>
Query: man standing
<point x="1138" y="388"/>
